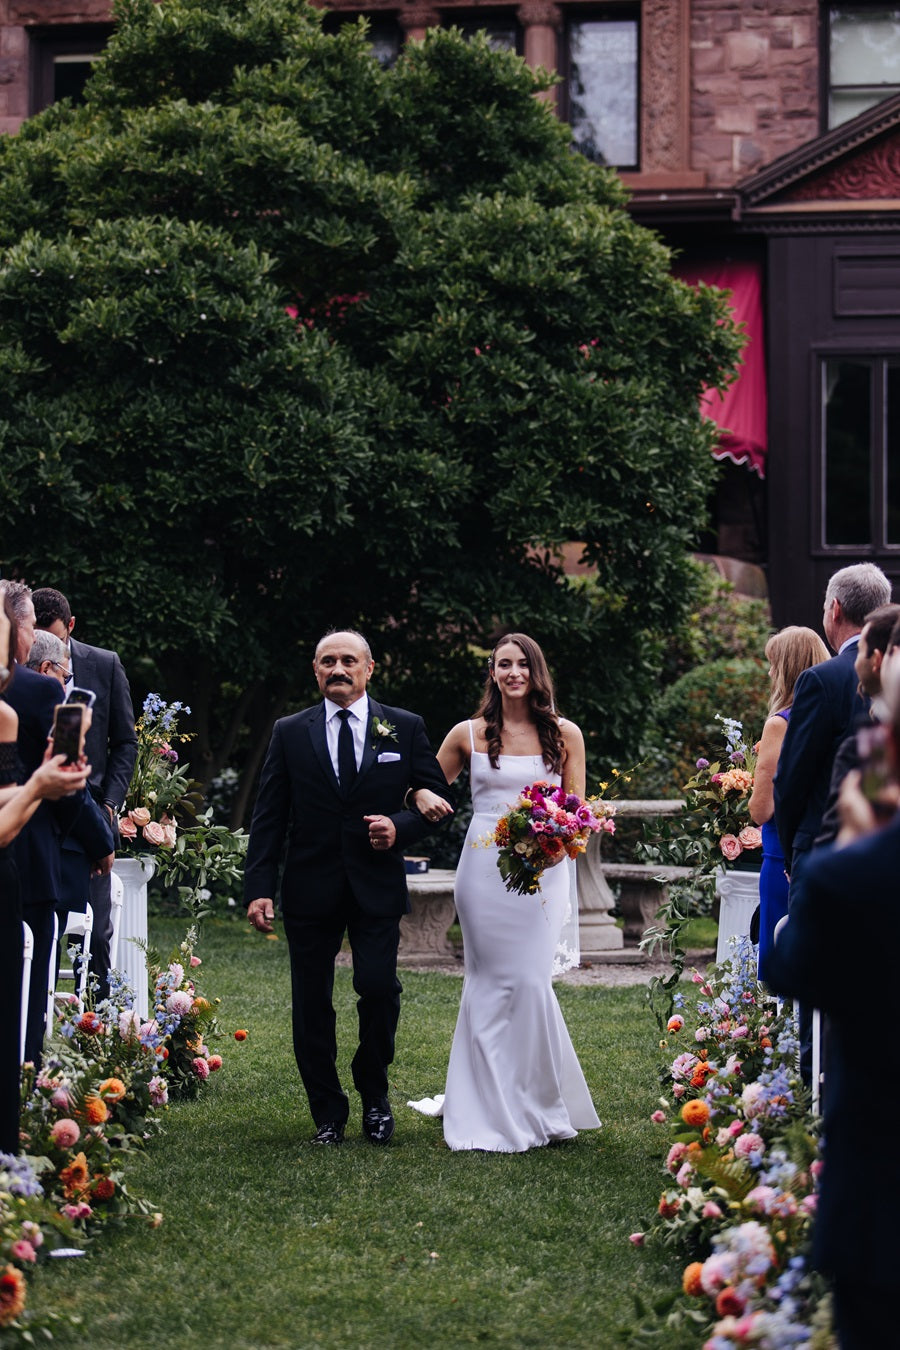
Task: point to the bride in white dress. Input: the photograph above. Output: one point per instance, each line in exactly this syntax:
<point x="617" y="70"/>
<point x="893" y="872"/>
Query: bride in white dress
<point x="514" y="1081"/>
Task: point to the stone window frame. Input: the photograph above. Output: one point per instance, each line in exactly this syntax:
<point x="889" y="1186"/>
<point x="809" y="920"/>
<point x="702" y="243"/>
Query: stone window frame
<point x="61" y="40"/>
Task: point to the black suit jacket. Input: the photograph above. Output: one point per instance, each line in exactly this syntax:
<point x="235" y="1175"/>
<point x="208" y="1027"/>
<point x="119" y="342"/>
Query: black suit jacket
<point x="848" y="895"/>
<point x="825" y="707"/>
<point x="328" y="847"/>
<point x="111" y="742"/>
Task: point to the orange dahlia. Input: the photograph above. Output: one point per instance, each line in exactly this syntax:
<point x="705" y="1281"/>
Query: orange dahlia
<point x="695" y="1113"/>
<point x="112" y="1089"/>
<point x="75" y="1177"/>
<point x="690" y="1280"/>
<point x="95" y="1109"/>
<point x="12" y="1295"/>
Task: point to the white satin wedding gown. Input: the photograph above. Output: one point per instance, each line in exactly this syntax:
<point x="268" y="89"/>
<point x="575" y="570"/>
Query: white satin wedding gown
<point x="514" y="1081"/>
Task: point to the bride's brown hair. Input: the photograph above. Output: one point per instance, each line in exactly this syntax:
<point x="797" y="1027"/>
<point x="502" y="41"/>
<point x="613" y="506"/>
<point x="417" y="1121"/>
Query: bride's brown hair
<point x="541" y="701"/>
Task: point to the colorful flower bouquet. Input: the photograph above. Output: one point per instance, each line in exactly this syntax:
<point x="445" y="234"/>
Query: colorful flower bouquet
<point x="719" y="793"/>
<point x="162" y="814"/>
<point x="546" y="824"/>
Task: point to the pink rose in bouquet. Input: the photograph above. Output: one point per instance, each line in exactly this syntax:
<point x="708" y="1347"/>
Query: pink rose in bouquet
<point x="730" y="846"/>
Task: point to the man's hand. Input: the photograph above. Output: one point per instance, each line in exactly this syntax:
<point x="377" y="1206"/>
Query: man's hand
<point x="261" y="914"/>
<point x="103" y="866"/>
<point x="382" y="832"/>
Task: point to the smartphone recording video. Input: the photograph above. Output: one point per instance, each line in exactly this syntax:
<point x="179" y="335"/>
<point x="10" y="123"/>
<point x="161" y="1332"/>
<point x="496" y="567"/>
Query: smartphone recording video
<point x="85" y="696"/>
<point x="68" y="731"/>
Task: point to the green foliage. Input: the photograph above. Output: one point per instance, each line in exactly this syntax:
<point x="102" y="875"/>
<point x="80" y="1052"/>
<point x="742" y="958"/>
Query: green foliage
<point x="686" y="727"/>
<point x="721" y="623"/>
<point x="484" y="358"/>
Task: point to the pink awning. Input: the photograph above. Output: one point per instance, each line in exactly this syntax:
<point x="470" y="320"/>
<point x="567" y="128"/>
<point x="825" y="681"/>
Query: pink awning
<point x="741" y="411"/>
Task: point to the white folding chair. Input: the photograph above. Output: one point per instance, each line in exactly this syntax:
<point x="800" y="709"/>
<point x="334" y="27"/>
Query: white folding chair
<point x="78" y="925"/>
<point x="116" y="900"/>
<point x="27" y="957"/>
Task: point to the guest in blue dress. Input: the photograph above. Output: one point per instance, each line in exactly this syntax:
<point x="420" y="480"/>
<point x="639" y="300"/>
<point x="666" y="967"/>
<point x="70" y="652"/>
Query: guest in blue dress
<point x="789" y="653"/>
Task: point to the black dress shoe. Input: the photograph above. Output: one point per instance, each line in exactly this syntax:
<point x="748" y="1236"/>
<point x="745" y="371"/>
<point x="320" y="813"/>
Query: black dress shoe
<point x="378" y="1122"/>
<point x="332" y="1132"/>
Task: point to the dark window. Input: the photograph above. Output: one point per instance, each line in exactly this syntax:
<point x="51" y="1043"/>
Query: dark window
<point x="385" y="35"/>
<point x="863" y="58"/>
<point x="601" y="103"/>
<point x="502" y="32"/>
<point x="61" y="61"/>
<point x="861" y="451"/>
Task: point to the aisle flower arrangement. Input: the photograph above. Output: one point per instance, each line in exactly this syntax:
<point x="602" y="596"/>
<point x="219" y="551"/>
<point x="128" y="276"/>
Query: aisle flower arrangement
<point x="546" y="824"/>
<point x="162" y="816"/>
<point x="718" y="795"/>
<point x="98" y="1097"/>
<point x="741" y="1164"/>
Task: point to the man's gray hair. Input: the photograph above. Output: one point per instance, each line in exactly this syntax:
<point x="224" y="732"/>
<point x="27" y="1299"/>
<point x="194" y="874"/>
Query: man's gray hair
<point x="47" y="647"/>
<point x="859" y="588"/>
<point x="19" y="596"/>
<point x="351" y="632"/>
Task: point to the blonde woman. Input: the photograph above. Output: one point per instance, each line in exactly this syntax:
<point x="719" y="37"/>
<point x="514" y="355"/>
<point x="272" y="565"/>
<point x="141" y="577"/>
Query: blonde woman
<point x="789" y="653"/>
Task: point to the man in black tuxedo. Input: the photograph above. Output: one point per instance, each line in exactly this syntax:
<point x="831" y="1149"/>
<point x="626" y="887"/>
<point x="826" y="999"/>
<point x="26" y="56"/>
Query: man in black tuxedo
<point x="110" y="745"/>
<point x="334" y="784"/>
<point x="845" y="893"/>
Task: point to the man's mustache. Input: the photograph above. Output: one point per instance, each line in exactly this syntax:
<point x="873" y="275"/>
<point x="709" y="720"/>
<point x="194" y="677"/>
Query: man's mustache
<point x="338" y="679"/>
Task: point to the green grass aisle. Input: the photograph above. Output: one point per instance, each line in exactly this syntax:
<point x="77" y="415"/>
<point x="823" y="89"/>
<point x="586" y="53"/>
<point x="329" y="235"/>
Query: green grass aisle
<point x="268" y="1242"/>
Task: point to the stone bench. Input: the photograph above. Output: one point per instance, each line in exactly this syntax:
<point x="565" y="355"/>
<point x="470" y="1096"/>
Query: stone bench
<point x="600" y="937"/>
<point x="643" y="890"/>
<point x="423" y="933"/>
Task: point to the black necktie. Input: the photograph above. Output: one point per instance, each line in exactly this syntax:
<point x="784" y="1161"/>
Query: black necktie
<point x="346" y="752"/>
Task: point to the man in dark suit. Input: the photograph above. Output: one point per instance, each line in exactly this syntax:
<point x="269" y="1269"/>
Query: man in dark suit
<point x="844" y="892"/>
<point x="110" y="745"/>
<point x="827" y="704"/>
<point x="333" y="784"/>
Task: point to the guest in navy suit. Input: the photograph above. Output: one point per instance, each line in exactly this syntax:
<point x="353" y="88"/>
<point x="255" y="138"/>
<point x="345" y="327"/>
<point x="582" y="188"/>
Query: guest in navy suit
<point x="845" y="895"/>
<point x="827" y="704"/>
<point x="110" y="745"/>
<point x="333" y="785"/>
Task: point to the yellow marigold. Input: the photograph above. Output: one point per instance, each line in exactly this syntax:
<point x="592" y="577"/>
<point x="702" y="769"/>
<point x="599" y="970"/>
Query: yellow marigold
<point x="690" y="1280"/>
<point x="695" y="1113"/>
<point x="95" y="1110"/>
<point x="76" y="1176"/>
<point x="112" y="1089"/>
<point x="12" y="1295"/>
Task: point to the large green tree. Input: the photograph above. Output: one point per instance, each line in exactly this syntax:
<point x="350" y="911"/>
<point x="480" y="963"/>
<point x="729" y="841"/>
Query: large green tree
<point x="289" y="341"/>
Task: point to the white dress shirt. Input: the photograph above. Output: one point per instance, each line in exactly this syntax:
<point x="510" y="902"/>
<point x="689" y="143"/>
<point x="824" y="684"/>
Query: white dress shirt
<point x="357" y="722"/>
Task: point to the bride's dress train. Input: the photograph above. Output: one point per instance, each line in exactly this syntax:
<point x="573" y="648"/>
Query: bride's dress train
<point x="514" y="1081"/>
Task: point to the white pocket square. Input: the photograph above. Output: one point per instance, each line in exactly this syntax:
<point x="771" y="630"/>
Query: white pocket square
<point x="388" y="757"/>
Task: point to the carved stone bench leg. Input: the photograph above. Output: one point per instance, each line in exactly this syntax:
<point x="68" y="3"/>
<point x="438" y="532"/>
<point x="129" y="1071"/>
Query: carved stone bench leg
<point x="423" y="933"/>
<point x="639" y="901"/>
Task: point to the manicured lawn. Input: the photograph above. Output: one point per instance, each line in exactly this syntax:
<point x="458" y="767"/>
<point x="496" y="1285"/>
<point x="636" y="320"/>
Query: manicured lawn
<point x="269" y="1242"/>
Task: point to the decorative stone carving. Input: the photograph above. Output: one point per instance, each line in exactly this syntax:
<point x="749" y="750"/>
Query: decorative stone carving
<point x="539" y="12"/>
<point x="872" y="173"/>
<point x="416" y="18"/>
<point x="664" y="60"/>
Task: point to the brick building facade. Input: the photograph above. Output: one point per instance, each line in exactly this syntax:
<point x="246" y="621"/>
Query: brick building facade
<point x="761" y="138"/>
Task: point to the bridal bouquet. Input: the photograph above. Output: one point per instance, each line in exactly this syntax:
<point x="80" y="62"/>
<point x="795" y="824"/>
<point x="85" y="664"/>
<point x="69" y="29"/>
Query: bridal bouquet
<point x="545" y="823"/>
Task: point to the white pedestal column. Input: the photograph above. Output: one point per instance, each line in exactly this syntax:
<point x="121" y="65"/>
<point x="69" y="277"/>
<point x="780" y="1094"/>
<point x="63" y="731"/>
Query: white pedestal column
<point x="597" y="929"/>
<point x="738" y="894"/>
<point x="132" y="962"/>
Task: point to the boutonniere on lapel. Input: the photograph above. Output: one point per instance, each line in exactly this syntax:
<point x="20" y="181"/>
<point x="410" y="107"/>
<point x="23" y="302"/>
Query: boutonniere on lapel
<point x="383" y="733"/>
